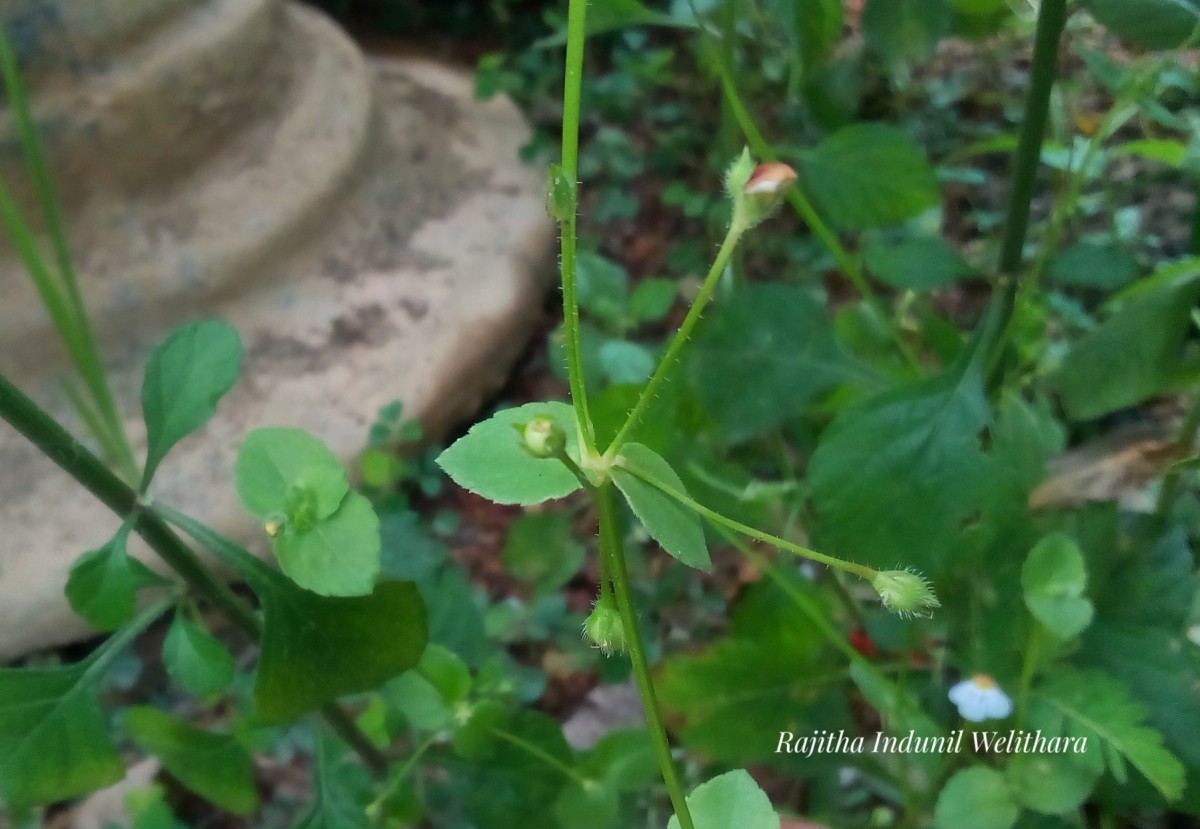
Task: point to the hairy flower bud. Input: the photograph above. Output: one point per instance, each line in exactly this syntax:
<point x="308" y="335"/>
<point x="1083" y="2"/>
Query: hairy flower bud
<point x="604" y="628"/>
<point x="543" y="438"/>
<point x="905" y="592"/>
<point x="756" y="189"/>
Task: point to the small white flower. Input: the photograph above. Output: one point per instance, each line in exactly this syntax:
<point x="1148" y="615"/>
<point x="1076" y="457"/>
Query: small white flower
<point x="980" y="698"/>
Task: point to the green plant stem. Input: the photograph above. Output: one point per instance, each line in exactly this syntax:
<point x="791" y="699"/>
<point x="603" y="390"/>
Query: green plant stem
<point x="846" y="263"/>
<point x="1185" y="439"/>
<point x="541" y="754"/>
<point x="613" y="549"/>
<point x="375" y="810"/>
<point x="1052" y="16"/>
<point x="679" y="341"/>
<point x="860" y="570"/>
<point x="90" y="472"/>
<point x="572" y="92"/>
<point x="1033" y="650"/>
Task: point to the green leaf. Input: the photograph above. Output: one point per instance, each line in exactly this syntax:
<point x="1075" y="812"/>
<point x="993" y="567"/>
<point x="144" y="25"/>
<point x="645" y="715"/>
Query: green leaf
<point x="196" y="660"/>
<point x="762" y="356"/>
<point x="730" y="800"/>
<point x="1049" y="783"/>
<point x="1053" y="579"/>
<point x="314" y="648"/>
<point x="903" y="30"/>
<point x="1151" y="24"/>
<point x="334" y="805"/>
<point x="652" y="299"/>
<point x="442" y="668"/>
<point x="1090" y="265"/>
<point x="589" y="805"/>
<point x="895" y="477"/>
<point x="54" y="742"/>
<point x="214" y="766"/>
<point x="625" y="363"/>
<point x="288" y="473"/>
<point x="923" y="263"/>
<point x="339" y="556"/>
<point x="490" y="460"/>
<point x="1095" y="706"/>
<point x="409" y="552"/>
<point x="869" y="175"/>
<point x="185" y="377"/>
<point x="103" y="584"/>
<point x="603" y="287"/>
<point x="1137" y="351"/>
<point x="977" y="797"/>
<point x="542" y="550"/>
<point x="676" y="528"/>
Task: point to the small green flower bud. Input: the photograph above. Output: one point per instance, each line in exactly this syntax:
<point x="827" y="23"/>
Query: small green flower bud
<point x="543" y="438"/>
<point x="756" y="189"/>
<point x="604" y="628"/>
<point x="905" y="592"/>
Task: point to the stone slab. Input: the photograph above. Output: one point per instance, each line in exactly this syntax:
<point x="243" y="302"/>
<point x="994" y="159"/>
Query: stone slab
<point x="418" y="281"/>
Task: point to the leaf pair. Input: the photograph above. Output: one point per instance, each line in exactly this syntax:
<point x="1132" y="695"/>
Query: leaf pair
<point x="491" y="461"/>
<point x="325" y="537"/>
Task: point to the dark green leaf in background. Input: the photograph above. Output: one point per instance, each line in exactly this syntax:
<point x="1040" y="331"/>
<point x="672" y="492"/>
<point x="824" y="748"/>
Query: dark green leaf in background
<point x="1151" y="24"/>
<point x="1053" y="579"/>
<point x="923" y="263"/>
<point x="978" y="797"/>
<point x="1137" y="351"/>
<point x="869" y="175"/>
<point x="895" y="477"/>
<point x="214" y="766"/>
<point x="185" y="377"/>
<point x="761" y="355"/>
<point x="542" y="550"/>
<point x="904" y="30"/>
<point x="196" y="660"/>
<point x="1090" y="265"/>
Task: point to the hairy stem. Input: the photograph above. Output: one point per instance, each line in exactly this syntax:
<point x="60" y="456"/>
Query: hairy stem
<point x="612" y="549"/>
<point x="576" y="37"/>
<point x="89" y="471"/>
<point x="679" y="341"/>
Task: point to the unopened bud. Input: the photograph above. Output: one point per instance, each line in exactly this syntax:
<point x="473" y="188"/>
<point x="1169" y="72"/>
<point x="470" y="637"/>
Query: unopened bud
<point x="756" y="189"/>
<point x="905" y="592"/>
<point x="770" y="178"/>
<point x="543" y="437"/>
<point x="604" y="628"/>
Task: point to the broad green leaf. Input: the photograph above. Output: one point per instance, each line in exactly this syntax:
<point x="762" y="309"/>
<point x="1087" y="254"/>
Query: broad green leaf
<point x="1049" y="783"/>
<point x="339" y="556"/>
<point x="315" y="649"/>
<point x="542" y="550"/>
<point x="214" y="766"/>
<point x="54" y="741"/>
<point x="894" y="477"/>
<point x="762" y="355"/>
<point x="869" y="175"/>
<point x="731" y="800"/>
<point x="333" y="802"/>
<point x="1053" y="579"/>
<point x="1095" y="706"/>
<point x="624" y="760"/>
<point x="289" y="473"/>
<point x="185" y="377"/>
<point x="923" y="263"/>
<point x="977" y="797"/>
<point x="103" y="584"/>
<point x="1089" y="265"/>
<point x="196" y="660"/>
<point x="442" y="668"/>
<point x="903" y="30"/>
<point x="1151" y="24"/>
<point x="418" y="701"/>
<point x="475" y="737"/>
<point x="1137" y="351"/>
<point x="676" y="528"/>
<point x="409" y="552"/>
<point x="490" y="460"/>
